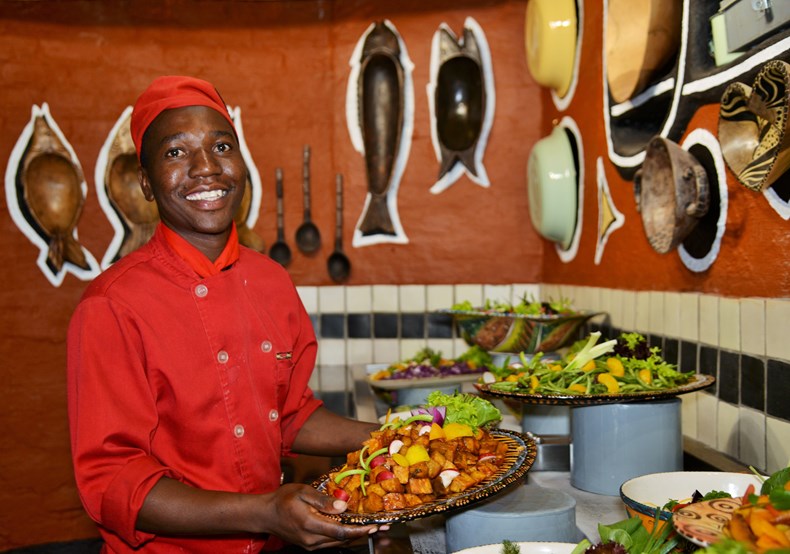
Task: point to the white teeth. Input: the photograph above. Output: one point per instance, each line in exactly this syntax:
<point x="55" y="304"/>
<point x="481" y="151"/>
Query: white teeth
<point x="206" y="195"/>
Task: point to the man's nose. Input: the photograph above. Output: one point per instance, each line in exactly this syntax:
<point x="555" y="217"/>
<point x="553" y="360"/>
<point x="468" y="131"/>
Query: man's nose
<point x="204" y="163"/>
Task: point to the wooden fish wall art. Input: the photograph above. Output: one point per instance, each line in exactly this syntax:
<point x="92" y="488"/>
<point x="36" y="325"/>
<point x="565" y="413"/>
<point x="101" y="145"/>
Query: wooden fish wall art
<point x="247" y="214"/>
<point x="133" y="218"/>
<point x="380" y="121"/>
<point x="461" y="97"/>
<point x="45" y="193"/>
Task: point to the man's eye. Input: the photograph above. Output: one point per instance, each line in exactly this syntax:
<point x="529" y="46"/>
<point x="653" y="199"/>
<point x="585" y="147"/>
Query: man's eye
<point x="172" y="153"/>
<point x="223" y="147"/>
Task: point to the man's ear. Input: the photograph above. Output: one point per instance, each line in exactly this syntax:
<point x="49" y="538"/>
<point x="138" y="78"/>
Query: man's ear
<point x="145" y="184"/>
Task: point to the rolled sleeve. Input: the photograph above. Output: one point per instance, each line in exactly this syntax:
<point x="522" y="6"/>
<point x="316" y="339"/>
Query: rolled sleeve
<point x="125" y="495"/>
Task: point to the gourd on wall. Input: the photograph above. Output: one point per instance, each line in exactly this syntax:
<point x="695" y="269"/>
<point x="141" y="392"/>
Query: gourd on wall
<point x="643" y="85"/>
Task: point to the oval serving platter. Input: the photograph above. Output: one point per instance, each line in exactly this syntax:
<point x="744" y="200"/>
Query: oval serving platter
<point x="699" y="382"/>
<point x="520" y="456"/>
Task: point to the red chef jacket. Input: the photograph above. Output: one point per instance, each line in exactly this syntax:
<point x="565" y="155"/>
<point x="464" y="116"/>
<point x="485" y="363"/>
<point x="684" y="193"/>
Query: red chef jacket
<point x="204" y="380"/>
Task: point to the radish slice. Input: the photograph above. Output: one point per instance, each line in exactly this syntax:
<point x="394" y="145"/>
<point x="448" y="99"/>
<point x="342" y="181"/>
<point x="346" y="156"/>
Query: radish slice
<point x="425" y="429"/>
<point x="488" y="378"/>
<point x="447" y="476"/>
<point x="395" y="446"/>
<point x="341" y="495"/>
<point x="384" y="475"/>
<point x="487" y="458"/>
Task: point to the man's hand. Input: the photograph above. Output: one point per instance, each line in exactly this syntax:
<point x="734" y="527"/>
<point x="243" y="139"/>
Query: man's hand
<point x="295" y="514"/>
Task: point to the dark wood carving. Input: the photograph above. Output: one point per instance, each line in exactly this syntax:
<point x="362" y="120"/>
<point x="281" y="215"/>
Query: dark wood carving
<point x="53" y="196"/>
<point x="381" y="105"/>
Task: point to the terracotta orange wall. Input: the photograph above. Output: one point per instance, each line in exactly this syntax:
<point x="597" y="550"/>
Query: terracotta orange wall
<point x="286" y="65"/>
<point x="753" y="258"/>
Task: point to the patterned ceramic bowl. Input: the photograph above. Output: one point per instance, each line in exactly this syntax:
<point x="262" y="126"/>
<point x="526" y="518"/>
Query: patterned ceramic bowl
<point x="642" y="495"/>
<point x="510" y="332"/>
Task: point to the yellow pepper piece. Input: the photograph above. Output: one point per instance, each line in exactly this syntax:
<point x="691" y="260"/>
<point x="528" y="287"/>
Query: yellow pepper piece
<point x="589" y="366"/>
<point x="555" y="367"/>
<point x="400" y="459"/>
<point x="455" y="430"/>
<point x="417" y="453"/>
<point x="436" y="432"/>
<point x="578" y="387"/>
<point x="615" y="367"/>
<point x="645" y="376"/>
<point x="534" y="383"/>
<point x="611" y="383"/>
<point x="511" y="378"/>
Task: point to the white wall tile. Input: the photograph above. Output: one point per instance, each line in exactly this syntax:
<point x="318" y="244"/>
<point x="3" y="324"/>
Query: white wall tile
<point x="359" y="299"/>
<point x="331" y="300"/>
<point x="459" y="347"/>
<point x="689" y="316"/>
<point x="727" y="429"/>
<point x="709" y="320"/>
<point x="309" y="298"/>
<point x="409" y="347"/>
<point x="385" y="298"/>
<point x="672" y="314"/>
<point x="331" y="352"/>
<point x="314" y="382"/>
<point x="445" y="346"/>
<point x="729" y="324"/>
<point x="530" y="292"/>
<point x="333" y="378"/>
<point x="472" y="293"/>
<point x="642" y="312"/>
<point x="497" y="293"/>
<point x="777" y="314"/>
<point x="605" y="305"/>
<point x="629" y="311"/>
<point x="440" y="297"/>
<point x="778" y="444"/>
<point x="386" y="351"/>
<point x="359" y="351"/>
<point x="706" y="419"/>
<point x="615" y="308"/>
<point x="655" y="317"/>
<point x="412" y="298"/>
<point x="688" y="414"/>
<point x="549" y="291"/>
<point x="751" y="429"/>
<point x="753" y="326"/>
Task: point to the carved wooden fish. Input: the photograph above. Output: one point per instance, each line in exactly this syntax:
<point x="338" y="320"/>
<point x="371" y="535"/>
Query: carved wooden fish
<point x="53" y="195"/>
<point x="381" y="104"/>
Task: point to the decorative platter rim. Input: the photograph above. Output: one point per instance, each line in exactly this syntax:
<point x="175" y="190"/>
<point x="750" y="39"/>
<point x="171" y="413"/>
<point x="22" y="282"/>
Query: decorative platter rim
<point x="701" y="381"/>
<point x="420" y="382"/>
<point x="703" y="522"/>
<point x="521" y="454"/>
<point x="546" y="318"/>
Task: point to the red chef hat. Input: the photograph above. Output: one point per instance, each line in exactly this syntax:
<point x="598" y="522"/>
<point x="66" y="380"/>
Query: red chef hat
<point x="169" y="92"/>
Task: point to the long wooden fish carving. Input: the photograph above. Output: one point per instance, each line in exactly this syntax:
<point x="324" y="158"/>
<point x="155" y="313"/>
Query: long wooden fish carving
<point x="461" y="97"/>
<point x="118" y="187"/>
<point x="380" y="107"/>
<point x="248" y="211"/>
<point x="52" y="187"/>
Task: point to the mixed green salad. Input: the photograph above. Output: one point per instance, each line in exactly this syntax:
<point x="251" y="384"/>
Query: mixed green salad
<point x="526" y="306"/>
<point x="431" y="363"/>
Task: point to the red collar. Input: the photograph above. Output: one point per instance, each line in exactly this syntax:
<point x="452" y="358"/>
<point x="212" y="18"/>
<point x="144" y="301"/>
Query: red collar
<point x="196" y="259"/>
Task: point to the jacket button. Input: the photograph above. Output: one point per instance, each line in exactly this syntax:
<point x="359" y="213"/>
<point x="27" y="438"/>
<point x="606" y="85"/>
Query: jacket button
<point x="273" y="415"/>
<point x="201" y="290"/>
<point x="238" y="431"/>
<point x="266" y="346"/>
<point x="222" y="356"/>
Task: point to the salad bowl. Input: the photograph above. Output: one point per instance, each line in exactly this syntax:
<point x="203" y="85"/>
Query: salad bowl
<point x="515" y="332"/>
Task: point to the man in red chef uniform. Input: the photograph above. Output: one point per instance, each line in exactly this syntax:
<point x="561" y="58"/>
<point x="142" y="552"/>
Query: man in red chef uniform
<point x="189" y="361"/>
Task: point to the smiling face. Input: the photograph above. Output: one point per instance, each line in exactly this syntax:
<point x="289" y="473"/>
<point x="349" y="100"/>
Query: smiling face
<point x="194" y="171"/>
